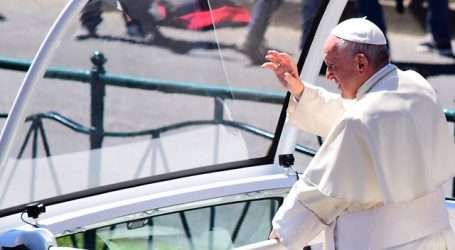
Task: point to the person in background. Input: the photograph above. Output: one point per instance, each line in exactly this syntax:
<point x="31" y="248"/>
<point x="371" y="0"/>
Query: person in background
<point x="253" y="44"/>
<point x="140" y="18"/>
<point x="373" y="11"/>
<point x="376" y="181"/>
<point x="437" y="23"/>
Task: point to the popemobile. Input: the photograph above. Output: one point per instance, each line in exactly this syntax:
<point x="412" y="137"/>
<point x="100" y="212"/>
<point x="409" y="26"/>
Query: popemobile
<point x="169" y="134"/>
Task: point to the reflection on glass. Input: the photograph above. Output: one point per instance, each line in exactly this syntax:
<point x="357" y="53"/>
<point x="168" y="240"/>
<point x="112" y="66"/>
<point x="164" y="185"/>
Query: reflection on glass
<point x="143" y="88"/>
<point x="215" y="227"/>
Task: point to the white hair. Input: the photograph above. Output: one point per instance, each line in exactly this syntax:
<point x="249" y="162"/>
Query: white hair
<point x="376" y="54"/>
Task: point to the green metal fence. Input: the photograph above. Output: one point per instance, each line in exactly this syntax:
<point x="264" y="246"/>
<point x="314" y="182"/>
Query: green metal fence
<point x="99" y="79"/>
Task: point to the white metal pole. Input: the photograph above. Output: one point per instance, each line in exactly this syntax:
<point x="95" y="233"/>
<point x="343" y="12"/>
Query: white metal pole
<point x="311" y="68"/>
<point x="16" y="116"/>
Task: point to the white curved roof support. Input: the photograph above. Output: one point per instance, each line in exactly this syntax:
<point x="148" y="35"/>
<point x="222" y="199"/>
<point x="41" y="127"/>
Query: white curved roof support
<point x="311" y="68"/>
<point x="16" y="116"/>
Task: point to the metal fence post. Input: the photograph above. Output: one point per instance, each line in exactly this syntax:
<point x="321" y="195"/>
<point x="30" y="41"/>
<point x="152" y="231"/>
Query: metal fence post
<point x="219" y="109"/>
<point x="97" y="93"/>
<point x="218" y="118"/>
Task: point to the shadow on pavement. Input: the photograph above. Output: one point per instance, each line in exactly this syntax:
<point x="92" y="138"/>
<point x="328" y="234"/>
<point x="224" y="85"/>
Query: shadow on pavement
<point x="174" y="45"/>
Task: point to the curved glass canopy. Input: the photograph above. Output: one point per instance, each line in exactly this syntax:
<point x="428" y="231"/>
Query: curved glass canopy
<point x="148" y="88"/>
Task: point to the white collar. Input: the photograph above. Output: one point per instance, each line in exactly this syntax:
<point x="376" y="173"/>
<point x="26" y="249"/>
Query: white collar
<point x="370" y="82"/>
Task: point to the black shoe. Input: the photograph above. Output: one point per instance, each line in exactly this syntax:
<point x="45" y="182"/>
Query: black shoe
<point x="86" y="33"/>
<point x="256" y="53"/>
<point x="134" y="29"/>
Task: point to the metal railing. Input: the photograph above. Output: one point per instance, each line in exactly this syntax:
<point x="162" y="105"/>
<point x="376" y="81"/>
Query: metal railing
<point x="99" y="79"/>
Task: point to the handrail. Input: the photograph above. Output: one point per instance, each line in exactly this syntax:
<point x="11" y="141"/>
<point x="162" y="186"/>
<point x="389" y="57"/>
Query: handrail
<point x="190" y="88"/>
<point x="156" y="84"/>
<point x="77" y="127"/>
<point x="150" y="84"/>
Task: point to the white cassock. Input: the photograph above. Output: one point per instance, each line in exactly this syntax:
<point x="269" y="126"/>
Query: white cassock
<point x="375" y="183"/>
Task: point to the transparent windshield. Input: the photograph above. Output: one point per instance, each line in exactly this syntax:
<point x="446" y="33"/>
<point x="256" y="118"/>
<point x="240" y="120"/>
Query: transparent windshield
<point x="144" y="88"/>
<point x="216" y="226"/>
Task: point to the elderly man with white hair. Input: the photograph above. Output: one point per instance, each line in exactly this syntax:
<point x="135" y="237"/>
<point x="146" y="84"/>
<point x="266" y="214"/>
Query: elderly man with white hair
<point x="375" y="183"/>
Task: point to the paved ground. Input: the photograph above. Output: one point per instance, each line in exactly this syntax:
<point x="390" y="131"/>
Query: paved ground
<point x="26" y="23"/>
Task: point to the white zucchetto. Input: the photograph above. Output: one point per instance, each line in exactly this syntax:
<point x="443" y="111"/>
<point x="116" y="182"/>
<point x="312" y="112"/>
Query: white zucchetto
<point x="359" y="30"/>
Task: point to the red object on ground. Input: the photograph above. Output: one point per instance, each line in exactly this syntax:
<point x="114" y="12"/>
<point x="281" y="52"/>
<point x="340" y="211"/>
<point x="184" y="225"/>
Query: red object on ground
<point x="226" y="15"/>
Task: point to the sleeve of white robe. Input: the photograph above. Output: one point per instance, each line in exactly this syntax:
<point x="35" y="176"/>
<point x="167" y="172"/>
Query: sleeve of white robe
<point x="304" y="214"/>
<point x="316" y="111"/>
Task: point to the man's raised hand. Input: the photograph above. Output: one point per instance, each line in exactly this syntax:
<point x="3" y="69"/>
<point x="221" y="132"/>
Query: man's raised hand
<point x="285" y="70"/>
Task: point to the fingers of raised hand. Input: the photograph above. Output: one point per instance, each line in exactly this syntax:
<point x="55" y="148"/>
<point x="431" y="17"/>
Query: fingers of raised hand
<point x="269" y="65"/>
<point x="274" y="56"/>
<point x="278" y="68"/>
<point x="275" y="64"/>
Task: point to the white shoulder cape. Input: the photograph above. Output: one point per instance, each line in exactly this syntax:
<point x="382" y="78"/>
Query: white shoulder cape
<point x="392" y="144"/>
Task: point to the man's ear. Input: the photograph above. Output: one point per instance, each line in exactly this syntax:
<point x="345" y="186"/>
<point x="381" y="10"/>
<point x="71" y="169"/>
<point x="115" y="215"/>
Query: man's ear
<point x="361" y="63"/>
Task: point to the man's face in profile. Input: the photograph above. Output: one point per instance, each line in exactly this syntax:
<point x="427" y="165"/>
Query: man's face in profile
<point x="340" y="68"/>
